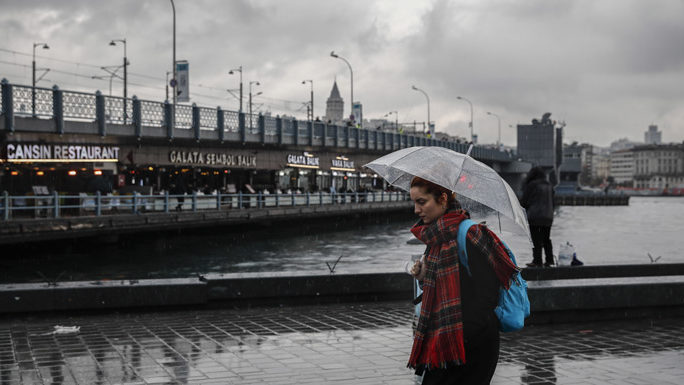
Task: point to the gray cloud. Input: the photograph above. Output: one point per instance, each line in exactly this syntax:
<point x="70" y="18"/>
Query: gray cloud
<point x="607" y="68"/>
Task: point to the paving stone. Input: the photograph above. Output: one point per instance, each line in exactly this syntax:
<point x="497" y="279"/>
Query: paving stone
<point x="337" y="344"/>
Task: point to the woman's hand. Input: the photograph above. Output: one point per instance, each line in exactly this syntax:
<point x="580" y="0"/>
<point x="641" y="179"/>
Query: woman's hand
<point x="418" y="270"/>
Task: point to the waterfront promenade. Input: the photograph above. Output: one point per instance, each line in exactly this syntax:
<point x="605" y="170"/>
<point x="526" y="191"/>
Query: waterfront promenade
<point x="320" y="344"/>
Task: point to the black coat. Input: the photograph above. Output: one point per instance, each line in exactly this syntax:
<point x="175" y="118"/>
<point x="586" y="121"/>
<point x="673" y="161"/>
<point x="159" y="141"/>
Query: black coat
<point x="537" y="199"/>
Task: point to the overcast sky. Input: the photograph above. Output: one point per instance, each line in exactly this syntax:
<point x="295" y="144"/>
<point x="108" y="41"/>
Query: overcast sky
<point x="608" y="68"/>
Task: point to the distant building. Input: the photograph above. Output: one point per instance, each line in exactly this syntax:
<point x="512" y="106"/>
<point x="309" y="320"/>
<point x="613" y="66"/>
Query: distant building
<point x="623" y="144"/>
<point x="571" y="168"/>
<point x="538" y="142"/>
<point x="622" y="166"/>
<point x="653" y="136"/>
<point x="659" y="166"/>
<point x="601" y="168"/>
<point x="334" y="109"/>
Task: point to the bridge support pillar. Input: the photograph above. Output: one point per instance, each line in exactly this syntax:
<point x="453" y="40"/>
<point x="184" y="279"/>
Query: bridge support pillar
<point x="279" y="130"/>
<point x="7" y="105"/>
<point x="100" y="115"/>
<point x="58" y="109"/>
<point x="220" y="124"/>
<point x="196" y="121"/>
<point x="295" y="126"/>
<point x="137" y="117"/>
<point x="241" y="126"/>
<point x="168" y="119"/>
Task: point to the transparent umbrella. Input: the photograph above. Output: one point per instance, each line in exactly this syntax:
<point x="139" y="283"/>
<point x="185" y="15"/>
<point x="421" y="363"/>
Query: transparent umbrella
<point x="479" y="189"/>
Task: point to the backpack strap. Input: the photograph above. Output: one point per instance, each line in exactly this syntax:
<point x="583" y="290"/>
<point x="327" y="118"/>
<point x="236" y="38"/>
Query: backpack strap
<point x="461" y="239"/>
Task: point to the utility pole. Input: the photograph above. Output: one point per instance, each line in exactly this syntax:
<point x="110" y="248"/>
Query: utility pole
<point x="311" y="108"/>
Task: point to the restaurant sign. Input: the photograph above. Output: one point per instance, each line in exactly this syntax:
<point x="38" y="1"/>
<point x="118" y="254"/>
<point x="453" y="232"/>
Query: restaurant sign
<point x="342" y="163"/>
<point x="212" y="159"/>
<point x="25" y="153"/>
<point x="305" y="160"/>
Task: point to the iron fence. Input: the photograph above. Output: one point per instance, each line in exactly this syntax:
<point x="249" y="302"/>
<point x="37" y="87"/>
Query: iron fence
<point x="23" y="101"/>
<point x="79" y="106"/>
<point x="152" y="113"/>
<point x="14" y="207"/>
<point x="231" y="121"/>
<point x="183" y="116"/>
<point x="270" y="127"/>
<point x="208" y="118"/>
<point x="288" y="127"/>
<point x="114" y="110"/>
<point x="252" y="122"/>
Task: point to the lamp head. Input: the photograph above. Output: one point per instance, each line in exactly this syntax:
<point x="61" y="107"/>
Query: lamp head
<point x="257" y="83"/>
<point x="414" y="87"/>
<point x="333" y="54"/>
<point x="230" y="72"/>
<point x="45" y="46"/>
<point x="112" y="42"/>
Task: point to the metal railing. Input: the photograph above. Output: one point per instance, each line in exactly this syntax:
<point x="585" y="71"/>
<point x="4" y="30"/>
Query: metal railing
<point x="81" y="205"/>
<point x="207" y="123"/>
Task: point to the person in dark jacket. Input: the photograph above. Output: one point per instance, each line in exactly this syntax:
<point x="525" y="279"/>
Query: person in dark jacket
<point x="179" y="189"/>
<point x="537" y="199"/>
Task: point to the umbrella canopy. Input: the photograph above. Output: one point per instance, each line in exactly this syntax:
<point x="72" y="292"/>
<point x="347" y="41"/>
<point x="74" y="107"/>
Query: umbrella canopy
<point x="479" y="188"/>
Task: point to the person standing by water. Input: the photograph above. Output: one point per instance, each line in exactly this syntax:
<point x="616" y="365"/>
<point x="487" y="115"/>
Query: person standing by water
<point x="457" y="337"/>
<point x="179" y="188"/>
<point x="537" y="199"/>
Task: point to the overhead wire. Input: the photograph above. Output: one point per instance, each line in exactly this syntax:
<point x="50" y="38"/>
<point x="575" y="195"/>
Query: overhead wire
<point x="274" y="104"/>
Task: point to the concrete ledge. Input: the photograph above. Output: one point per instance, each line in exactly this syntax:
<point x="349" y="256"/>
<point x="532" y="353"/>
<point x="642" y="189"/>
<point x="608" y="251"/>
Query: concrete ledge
<point x="604" y="293"/>
<point x="286" y="286"/>
<point x="31" y="297"/>
<point x="603" y="271"/>
<point x="551" y="300"/>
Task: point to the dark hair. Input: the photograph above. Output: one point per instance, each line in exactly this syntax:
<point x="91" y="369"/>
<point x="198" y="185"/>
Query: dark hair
<point x="436" y="191"/>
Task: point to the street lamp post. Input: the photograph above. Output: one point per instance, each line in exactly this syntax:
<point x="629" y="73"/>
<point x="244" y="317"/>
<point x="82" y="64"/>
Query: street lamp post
<point x="125" y="79"/>
<point x="351" y="72"/>
<point x="396" y="119"/>
<point x="428" y="105"/>
<point x="33" y="89"/>
<point x="498" y="119"/>
<point x="472" y="138"/>
<point x="312" y="100"/>
<point x="231" y="72"/>
<point x="250" y="101"/>
<point x="174" y="81"/>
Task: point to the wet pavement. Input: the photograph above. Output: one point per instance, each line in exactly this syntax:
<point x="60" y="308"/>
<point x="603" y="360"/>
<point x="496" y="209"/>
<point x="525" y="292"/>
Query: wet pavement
<point x="338" y="344"/>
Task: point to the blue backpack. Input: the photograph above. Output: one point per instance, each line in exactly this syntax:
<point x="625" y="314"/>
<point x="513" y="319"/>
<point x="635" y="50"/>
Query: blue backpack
<point x="514" y="306"/>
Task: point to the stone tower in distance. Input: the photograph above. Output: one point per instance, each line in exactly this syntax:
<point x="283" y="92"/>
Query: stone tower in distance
<point x="334" y="110"/>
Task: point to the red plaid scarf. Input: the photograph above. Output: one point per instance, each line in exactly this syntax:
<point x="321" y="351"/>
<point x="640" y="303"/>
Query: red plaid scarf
<point x="438" y="341"/>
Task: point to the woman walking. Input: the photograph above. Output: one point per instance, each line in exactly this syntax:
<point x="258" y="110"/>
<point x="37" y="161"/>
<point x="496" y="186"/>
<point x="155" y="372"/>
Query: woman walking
<point x="457" y="336"/>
